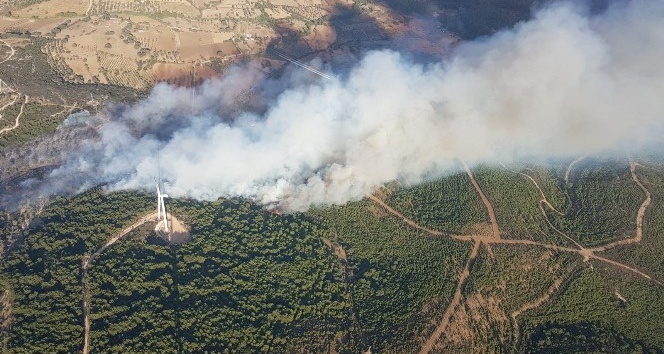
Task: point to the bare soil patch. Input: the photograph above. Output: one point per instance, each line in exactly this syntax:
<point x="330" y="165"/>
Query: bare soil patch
<point x="178" y="233"/>
<point x="321" y="37"/>
<point x="35" y="26"/>
<point x="456" y="302"/>
<point x="481" y="316"/>
<point x="338" y="249"/>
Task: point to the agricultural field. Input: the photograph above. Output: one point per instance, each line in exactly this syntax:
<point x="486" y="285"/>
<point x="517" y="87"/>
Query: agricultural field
<point x="123" y="43"/>
<point x="120" y="42"/>
<point x="31" y="83"/>
<point x="69" y="56"/>
<point x="82" y="54"/>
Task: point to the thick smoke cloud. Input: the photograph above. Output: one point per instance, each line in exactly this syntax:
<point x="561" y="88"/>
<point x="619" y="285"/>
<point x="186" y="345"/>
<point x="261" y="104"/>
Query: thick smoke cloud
<point x="565" y="83"/>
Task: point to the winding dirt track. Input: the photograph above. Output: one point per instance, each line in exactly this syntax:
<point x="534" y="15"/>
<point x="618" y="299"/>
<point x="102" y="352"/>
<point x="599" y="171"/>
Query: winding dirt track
<point x="11" y="54"/>
<point x="535" y="304"/>
<point x="546" y="217"/>
<point x="639" y="215"/>
<point x="586" y="253"/>
<point x="8" y="104"/>
<point x="544" y="199"/>
<point x="87" y="261"/>
<point x="546" y="202"/>
<point x="16" y="124"/>
<point x="68" y="109"/>
<point x="539" y="301"/>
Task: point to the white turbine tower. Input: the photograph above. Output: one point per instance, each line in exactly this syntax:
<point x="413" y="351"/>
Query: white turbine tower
<point x="161" y="208"/>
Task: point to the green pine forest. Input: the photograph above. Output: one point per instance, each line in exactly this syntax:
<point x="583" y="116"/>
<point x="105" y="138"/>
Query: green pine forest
<point x="252" y="281"/>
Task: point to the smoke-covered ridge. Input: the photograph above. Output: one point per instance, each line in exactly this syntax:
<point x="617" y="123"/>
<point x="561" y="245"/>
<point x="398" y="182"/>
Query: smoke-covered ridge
<point x="565" y="83"/>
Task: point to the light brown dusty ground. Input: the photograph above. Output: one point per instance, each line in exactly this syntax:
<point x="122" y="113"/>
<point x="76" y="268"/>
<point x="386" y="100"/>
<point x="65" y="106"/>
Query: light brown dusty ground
<point x="178" y="233"/>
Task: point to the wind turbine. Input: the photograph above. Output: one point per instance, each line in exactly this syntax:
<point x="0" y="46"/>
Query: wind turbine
<point x="161" y="208"/>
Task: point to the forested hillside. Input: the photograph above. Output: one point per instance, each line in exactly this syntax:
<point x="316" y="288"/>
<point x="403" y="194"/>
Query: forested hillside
<point x="409" y="269"/>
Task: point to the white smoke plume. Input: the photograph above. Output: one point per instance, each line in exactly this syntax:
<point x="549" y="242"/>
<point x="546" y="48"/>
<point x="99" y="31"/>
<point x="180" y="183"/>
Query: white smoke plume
<point x="564" y="83"/>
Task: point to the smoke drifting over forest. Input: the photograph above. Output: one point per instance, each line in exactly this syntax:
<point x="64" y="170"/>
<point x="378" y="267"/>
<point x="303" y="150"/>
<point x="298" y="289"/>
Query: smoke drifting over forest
<point x="565" y="83"/>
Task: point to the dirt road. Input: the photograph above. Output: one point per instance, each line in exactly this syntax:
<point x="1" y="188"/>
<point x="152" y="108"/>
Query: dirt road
<point x="18" y="116"/>
<point x="456" y="301"/>
<point x="8" y="104"/>
<point x="586" y="253"/>
<point x="535" y="304"/>
<point x="87" y="261"/>
<point x="543" y="199"/>
<point x="539" y="301"/>
<point x="11" y="53"/>
<point x="408" y="221"/>
<point x="465" y="273"/>
<point x="492" y="215"/>
<point x="639" y="215"/>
